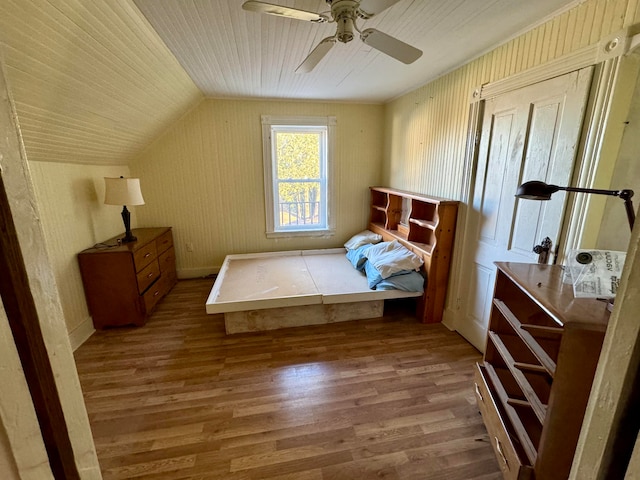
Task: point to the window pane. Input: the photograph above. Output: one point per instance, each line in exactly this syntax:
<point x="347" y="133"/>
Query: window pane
<point x="299" y="204"/>
<point x="297" y="163"/>
<point x="298" y="155"/>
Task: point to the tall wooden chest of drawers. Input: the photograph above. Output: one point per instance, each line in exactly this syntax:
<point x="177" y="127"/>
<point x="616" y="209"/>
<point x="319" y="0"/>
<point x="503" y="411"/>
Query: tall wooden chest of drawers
<point x="533" y="385"/>
<point x="123" y="283"/>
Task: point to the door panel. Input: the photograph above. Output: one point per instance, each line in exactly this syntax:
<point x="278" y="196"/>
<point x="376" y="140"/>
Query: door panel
<point x="482" y="283"/>
<point x="538" y="160"/>
<point x="491" y="199"/>
<point x="529" y="134"/>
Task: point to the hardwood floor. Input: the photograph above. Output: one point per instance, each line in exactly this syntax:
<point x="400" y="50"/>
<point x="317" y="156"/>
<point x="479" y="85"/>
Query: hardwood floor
<point x="384" y="398"/>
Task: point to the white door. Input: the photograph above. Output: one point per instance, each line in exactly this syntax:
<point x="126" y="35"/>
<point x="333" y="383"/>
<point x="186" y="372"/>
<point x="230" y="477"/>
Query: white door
<point x="529" y="134"/>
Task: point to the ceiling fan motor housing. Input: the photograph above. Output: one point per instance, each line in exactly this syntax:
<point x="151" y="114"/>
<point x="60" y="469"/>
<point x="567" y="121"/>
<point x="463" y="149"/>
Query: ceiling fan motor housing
<point x="344" y="13"/>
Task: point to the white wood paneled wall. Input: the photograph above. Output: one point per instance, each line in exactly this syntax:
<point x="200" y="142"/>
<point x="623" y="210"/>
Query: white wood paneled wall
<point x="204" y="178"/>
<point x="426" y="128"/>
<point x="73" y="217"/>
<point x="93" y="82"/>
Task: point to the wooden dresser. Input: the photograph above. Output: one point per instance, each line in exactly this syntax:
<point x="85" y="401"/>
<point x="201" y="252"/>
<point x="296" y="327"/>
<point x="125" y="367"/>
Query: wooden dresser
<point x="533" y="386"/>
<point x="123" y="283"/>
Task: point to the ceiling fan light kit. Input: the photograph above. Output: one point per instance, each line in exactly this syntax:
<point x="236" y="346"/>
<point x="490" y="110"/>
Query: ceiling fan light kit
<point x="345" y="14"/>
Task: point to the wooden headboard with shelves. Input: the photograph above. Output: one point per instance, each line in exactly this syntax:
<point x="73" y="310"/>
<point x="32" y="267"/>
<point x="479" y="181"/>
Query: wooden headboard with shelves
<point x="428" y="231"/>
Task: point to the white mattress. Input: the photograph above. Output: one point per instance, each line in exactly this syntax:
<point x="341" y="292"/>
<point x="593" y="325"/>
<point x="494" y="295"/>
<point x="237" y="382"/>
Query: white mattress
<point x="293" y="278"/>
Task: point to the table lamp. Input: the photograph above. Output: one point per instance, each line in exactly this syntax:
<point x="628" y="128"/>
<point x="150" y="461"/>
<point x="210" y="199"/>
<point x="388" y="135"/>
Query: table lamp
<point x="123" y="191"/>
<point x="536" y="190"/>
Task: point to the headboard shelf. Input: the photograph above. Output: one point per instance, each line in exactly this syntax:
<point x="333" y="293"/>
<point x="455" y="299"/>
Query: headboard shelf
<point x="423" y="223"/>
<point x="426" y="225"/>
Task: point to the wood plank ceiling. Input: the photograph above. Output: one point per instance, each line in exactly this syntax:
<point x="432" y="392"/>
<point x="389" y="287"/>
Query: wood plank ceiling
<point x="92" y="81"/>
<point x="96" y="82"/>
<point x="230" y="52"/>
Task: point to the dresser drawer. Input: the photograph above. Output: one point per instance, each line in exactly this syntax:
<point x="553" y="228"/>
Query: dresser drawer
<point x="167" y="261"/>
<point x="155" y="293"/>
<point x="164" y="241"/>
<point x="508" y="458"/>
<point x="144" y="256"/>
<point x="148" y="275"/>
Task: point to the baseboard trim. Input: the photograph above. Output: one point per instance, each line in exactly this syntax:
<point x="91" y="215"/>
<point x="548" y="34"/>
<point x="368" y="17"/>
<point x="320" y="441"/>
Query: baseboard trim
<point x="449" y="319"/>
<point x="81" y="333"/>
<point x="184" y="273"/>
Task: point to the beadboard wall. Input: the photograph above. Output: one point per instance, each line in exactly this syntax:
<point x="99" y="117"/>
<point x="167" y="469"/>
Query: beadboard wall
<point x="204" y="178"/>
<point x="426" y="129"/>
<point x="73" y="216"/>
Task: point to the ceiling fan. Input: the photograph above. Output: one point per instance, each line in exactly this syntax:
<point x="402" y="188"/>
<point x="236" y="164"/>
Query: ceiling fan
<point x="344" y="13"/>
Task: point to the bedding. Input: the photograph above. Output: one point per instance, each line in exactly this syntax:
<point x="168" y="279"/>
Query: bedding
<point x="366" y="237"/>
<point x="374" y="278"/>
<point x="389" y="258"/>
<point x="358" y="256"/>
<point x="388" y="266"/>
<point x="408" y="282"/>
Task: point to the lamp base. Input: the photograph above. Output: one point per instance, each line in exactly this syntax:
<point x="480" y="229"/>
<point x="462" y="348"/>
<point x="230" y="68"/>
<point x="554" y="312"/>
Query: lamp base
<point x="128" y="238"/>
<point x="126" y="218"/>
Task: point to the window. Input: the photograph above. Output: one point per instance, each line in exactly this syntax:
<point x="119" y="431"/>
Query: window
<point x="297" y="154"/>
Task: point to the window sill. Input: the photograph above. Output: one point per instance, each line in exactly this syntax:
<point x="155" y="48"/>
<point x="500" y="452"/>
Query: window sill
<point x="301" y="233"/>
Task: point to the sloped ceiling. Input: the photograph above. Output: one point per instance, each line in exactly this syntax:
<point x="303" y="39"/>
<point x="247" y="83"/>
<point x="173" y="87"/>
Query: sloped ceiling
<point x="95" y="82"/>
<point x="92" y="81"/>
<point x="230" y="52"/>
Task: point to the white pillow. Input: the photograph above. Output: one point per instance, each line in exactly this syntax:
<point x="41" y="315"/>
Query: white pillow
<point x="362" y="238"/>
<point x="392" y="257"/>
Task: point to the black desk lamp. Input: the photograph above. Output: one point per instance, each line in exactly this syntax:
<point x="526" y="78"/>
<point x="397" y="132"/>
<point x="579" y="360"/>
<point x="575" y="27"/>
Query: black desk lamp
<point x="536" y="190"/>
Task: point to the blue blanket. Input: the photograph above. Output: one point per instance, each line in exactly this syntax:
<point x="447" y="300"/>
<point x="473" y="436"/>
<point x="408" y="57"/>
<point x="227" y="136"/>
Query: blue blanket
<point x="365" y="258"/>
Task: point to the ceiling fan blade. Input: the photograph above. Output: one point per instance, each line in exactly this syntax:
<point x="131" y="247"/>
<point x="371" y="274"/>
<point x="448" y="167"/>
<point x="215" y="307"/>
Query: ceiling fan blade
<point x="391" y="46"/>
<point x="316" y="55"/>
<point x="280" y="11"/>
<point x="369" y="8"/>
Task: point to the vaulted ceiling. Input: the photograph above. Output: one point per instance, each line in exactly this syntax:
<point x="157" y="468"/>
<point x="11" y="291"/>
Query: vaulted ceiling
<point x="92" y="81"/>
<point x="230" y="52"/>
<point x="95" y="82"/>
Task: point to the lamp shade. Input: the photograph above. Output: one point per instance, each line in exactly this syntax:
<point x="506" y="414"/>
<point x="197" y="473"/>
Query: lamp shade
<point x="122" y="191"/>
<point x="536" y="190"/>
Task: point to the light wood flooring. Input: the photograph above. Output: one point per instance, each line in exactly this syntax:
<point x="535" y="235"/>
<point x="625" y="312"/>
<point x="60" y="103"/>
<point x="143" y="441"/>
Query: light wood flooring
<point x="385" y="398"/>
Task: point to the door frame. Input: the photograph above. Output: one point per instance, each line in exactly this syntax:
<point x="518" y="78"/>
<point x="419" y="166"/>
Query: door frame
<point x="606" y="58"/>
<point x="46" y="397"/>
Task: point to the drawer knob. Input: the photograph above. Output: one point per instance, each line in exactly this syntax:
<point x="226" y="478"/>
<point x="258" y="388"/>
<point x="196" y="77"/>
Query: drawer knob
<point x="148" y="254"/>
<point x="150" y="275"/>
<point x="479" y="393"/>
<point x="500" y="452"/>
<point x="157" y="293"/>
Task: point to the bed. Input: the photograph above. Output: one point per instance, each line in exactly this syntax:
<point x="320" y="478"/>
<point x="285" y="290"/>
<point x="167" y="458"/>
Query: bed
<point x="275" y="290"/>
<point x="266" y="291"/>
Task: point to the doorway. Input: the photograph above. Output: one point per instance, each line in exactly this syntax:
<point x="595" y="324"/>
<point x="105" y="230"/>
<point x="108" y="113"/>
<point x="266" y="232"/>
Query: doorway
<point x="532" y="133"/>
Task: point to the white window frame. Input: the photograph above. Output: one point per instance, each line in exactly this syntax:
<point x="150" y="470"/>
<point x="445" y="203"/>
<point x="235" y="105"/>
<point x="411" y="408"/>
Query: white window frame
<point x="271" y="123"/>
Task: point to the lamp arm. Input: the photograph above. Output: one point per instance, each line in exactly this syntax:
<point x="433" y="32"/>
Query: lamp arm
<point x="623" y="194"/>
<point x="613" y="193"/>
<point x="628" y="205"/>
